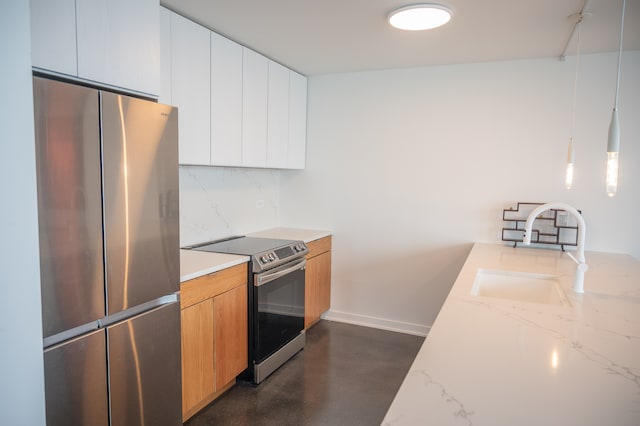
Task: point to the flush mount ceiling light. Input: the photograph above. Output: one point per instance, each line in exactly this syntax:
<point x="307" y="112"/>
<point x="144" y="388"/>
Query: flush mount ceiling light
<point x="420" y="17"/>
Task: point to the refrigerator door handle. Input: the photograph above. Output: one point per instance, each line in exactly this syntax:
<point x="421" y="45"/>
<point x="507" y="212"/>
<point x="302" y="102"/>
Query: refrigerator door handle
<point x="70" y="333"/>
<point x="138" y="309"/>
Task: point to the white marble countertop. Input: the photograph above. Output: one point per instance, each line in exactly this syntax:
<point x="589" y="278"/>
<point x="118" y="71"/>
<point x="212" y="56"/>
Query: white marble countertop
<point x="305" y="235"/>
<point x="194" y="264"/>
<point x="489" y="361"/>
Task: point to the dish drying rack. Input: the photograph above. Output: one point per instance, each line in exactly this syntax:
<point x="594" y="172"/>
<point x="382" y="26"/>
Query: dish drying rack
<point x="553" y="227"/>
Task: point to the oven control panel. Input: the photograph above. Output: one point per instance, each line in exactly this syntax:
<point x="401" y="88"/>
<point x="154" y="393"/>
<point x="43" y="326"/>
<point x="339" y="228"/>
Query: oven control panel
<point x="281" y="255"/>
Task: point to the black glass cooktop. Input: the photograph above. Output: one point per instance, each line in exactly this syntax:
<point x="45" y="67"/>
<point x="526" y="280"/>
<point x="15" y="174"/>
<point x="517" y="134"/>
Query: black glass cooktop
<point x="246" y="246"/>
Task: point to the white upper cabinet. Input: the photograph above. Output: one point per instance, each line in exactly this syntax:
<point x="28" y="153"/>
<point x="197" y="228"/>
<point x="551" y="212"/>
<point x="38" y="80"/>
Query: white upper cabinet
<point x="119" y="43"/>
<point x="236" y="107"/>
<point x="297" y="121"/>
<point x="112" y="42"/>
<point x="191" y="89"/>
<point x="165" y="57"/>
<point x="255" y="68"/>
<point x="53" y="35"/>
<point x="278" y="116"/>
<point x="226" y="102"/>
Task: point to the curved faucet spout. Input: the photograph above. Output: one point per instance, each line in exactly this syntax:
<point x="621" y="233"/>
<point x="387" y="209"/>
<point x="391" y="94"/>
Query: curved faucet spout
<point x="578" y="286"/>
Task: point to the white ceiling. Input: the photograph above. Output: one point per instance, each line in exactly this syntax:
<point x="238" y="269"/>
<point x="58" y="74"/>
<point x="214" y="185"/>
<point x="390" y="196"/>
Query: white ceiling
<point x="327" y="36"/>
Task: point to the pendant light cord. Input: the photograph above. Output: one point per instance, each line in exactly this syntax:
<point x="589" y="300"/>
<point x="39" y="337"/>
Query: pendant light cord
<point x="615" y="104"/>
<point x="575" y="80"/>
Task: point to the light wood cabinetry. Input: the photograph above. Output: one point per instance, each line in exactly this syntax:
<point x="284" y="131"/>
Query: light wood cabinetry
<point x="113" y="42"/>
<point x="198" y="376"/>
<point x="317" y="280"/>
<point x="230" y="322"/>
<point x="214" y="335"/>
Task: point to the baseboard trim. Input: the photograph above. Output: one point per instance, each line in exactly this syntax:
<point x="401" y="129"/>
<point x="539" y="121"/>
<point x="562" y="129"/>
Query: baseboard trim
<point x="375" y="322"/>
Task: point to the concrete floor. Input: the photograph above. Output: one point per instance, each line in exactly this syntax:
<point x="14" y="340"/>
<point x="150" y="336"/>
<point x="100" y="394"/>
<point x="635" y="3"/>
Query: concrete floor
<point x="346" y="375"/>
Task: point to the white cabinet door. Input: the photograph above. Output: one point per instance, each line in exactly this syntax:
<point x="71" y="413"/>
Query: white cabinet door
<point x="190" y="88"/>
<point x="165" y="57"/>
<point x="53" y="35"/>
<point x="297" y="121"/>
<point x="226" y="102"/>
<point x="254" y="109"/>
<point x="119" y="43"/>
<point x="278" y="116"/>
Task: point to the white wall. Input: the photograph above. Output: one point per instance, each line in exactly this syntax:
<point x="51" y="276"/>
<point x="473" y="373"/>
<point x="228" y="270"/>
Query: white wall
<point x="217" y="202"/>
<point x="21" y="368"/>
<point x="410" y="167"/>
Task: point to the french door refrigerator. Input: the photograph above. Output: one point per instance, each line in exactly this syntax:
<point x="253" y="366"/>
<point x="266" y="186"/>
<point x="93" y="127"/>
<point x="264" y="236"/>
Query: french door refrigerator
<point x="107" y="173"/>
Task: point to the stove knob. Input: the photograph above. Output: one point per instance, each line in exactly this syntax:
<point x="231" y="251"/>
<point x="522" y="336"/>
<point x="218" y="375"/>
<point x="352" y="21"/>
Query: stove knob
<point x="272" y="257"/>
<point x="264" y="259"/>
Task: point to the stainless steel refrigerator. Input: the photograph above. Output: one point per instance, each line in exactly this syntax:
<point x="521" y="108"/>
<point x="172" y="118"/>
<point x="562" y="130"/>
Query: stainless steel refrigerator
<point x="107" y="172"/>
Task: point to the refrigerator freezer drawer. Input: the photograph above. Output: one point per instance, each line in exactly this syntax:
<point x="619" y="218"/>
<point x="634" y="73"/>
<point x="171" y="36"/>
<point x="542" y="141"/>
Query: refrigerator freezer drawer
<point x="75" y="376"/>
<point x="144" y="369"/>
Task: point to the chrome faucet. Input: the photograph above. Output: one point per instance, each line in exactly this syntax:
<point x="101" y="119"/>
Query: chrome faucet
<point x="578" y="280"/>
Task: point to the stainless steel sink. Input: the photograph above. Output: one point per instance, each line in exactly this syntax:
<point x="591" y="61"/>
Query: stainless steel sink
<point x="520" y="286"/>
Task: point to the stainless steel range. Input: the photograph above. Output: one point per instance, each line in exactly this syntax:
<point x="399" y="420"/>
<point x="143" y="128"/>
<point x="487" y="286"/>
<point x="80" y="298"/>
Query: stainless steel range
<point x="276" y="299"/>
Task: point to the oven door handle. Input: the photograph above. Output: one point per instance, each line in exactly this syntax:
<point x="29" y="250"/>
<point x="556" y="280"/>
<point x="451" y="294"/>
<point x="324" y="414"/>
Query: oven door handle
<point x="269" y="276"/>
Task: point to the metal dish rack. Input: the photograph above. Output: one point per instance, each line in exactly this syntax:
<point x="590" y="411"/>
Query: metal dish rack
<point x="553" y="227"/>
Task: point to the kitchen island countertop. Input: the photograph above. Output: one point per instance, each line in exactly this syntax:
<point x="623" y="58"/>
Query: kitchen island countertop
<point x="490" y="361"/>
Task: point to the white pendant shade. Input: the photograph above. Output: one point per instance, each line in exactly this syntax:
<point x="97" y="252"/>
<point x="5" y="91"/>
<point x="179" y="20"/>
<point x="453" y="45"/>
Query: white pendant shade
<point x="420" y="17"/>
<point x="568" y="180"/>
<point x="613" y="144"/>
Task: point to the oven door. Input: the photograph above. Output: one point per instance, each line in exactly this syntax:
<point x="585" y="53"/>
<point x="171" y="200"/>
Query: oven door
<point x="279" y="303"/>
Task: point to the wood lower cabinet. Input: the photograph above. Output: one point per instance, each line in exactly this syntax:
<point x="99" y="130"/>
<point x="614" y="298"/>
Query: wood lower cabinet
<point x="214" y="335"/>
<point x="197" y="354"/>
<point x="230" y="321"/>
<point x="317" y="280"/>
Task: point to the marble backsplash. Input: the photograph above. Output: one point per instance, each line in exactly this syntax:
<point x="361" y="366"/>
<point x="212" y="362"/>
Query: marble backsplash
<point x="217" y="202"/>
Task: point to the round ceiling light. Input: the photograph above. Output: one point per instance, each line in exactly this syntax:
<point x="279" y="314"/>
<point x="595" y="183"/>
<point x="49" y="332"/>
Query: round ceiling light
<point x="420" y="17"/>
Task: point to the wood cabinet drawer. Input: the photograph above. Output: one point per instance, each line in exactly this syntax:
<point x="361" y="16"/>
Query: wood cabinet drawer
<point x="208" y="286"/>
<point x="318" y="246"/>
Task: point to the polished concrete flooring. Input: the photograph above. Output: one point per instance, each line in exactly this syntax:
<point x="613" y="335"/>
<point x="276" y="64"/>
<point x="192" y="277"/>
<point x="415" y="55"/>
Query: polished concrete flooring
<point x="346" y="375"/>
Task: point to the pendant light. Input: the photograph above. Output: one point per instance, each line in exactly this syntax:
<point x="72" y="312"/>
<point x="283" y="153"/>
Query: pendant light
<point x="613" y="145"/>
<point x="570" y="153"/>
